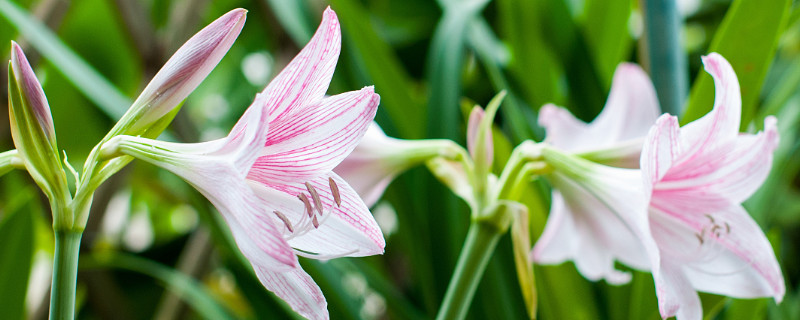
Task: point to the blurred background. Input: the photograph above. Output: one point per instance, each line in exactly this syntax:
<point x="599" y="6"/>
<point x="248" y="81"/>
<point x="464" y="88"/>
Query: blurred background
<point x="155" y="249"/>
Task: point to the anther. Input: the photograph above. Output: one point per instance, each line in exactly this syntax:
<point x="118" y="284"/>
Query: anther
<point x="727" y="228"/>
<point x="699" y="238"/>
<point x="309" y="210"/>
<point x="335" y="192"/>
<point x="710" y="218"/>
<point x="315" y="197"/>
<point x="284" y="219"/>
<point x="315" y="222"/>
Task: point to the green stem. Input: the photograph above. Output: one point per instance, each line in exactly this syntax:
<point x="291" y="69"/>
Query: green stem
<point x="478" y="248"/>
<point x="65" y="274"/>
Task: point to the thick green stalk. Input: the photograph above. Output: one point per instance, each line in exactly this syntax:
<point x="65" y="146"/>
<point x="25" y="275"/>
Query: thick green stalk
<point x="667" y="60"/>
<point x="478" y="248"/>
<point x="65" y="275"/>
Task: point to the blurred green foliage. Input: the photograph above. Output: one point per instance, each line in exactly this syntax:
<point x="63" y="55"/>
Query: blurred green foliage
<point x="423" y="57"/>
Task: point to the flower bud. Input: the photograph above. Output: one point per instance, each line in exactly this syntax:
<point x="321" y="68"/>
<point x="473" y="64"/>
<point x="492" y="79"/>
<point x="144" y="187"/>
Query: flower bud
<point x="32" y="127"/>
<point x="181" y="75"/>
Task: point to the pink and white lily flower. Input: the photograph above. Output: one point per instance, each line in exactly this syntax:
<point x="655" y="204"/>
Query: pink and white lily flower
<point x="592" y="210"/>
<point x="271" y="178"/>
<point x="696" y="178"/>
<point x="616" y="135"/>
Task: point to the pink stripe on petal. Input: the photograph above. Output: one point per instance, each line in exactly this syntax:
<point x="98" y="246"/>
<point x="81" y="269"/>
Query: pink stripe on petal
<point x="306" y="78"/>
<point x="303" y="146"/>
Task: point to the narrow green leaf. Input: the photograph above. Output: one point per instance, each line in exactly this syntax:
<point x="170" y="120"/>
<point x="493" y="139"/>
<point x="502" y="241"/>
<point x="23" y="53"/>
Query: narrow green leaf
<point x="444" y="66"/>
<point x="81" y="74"/>
<point x="533" y="65"/>
<point x="606" y="31"/>
<point x="17" y="238"/>
<point x="490" y="52"/>
<point x="746" y="309"/>
<point x="521" y="240"/>
<point x="195" y="294"/>
<point x="747" y="38"/>
<point x="586" y="93"/>
<point x="398" y="96"/>
<point x="293" y="18"/>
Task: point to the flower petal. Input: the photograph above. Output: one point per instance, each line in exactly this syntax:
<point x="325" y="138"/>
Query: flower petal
<point x="607" y="211"/>
<point x="298" y="290"/>
<point x="735" y="171"/>
<point x="302" y="146"/>
<point x="723" y="252"/>
<point x="676" y="297"/>
<point x="590" y="231"/>
<point x="566" y="239"/>
<point x="344" y="230"/>
<point x="564" y="130"/>
<point x="632" y="106"/>
<point x="659" y="151"/>
<point x="306" y="78"/>
<point x="631" y="109"/>
<point x="721" y="124"/>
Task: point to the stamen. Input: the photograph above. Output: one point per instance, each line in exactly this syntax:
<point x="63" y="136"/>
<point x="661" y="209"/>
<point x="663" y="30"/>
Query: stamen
<point x="315" y="197"/>
<point x="335" y="191"/>
<point x="699" y="237"/>
<point x="727" y="228"/>
<point x="284" y="219"/>
<point x="309" y="210"/>
<point x="710" y="218"/>
<point x="715" y="230"/>
<point x="315" y="222"/>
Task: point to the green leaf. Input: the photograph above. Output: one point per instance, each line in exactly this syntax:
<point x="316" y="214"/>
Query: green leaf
<point x="490" y="51"/>
<point x="521" y="240"/>
<point x="195" y="294"/>
<point x="586" y="93"/>
<point x="444" y="66"/>
<point x="398" y="96"/>
<point x="80" y="73"/>
<point x="17" y="239"/>
<point x="606" y="32"/>
<point x="292" y="16"/>
<point x="533" y="65"/>
<point x="747" y="38"/>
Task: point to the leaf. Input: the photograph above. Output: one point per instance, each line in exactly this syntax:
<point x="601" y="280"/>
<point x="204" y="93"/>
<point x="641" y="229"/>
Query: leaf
<point x="747" y="38"/>
<point x="490" y="52"/>
<point x="444" y="65"/>
<point x="292" y="16"/>
<point x="586" y="94"/>
<point x="81" y="74"/>
<point x="195" y="294"/>
<point x="17" y="239"/>
<point x="533" y="64"/>
<point x="521" y="240"/>
<point x="606" y="32"/>
<point x="398" y="96"/>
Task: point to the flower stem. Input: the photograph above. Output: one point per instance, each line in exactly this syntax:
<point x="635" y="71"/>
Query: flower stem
<point x="65" y="274"/>
<point x="480" y="244"/>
